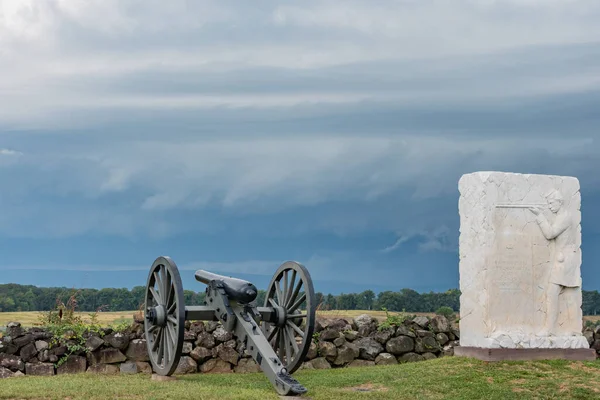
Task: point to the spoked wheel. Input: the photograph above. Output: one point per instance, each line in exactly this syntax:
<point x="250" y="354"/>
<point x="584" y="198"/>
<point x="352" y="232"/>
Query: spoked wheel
<point x="164" y="319"/>
<point x="292" y="295"/>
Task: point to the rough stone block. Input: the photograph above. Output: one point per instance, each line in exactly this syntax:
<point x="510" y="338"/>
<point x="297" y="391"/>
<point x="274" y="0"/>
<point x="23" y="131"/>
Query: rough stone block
<point x="41" y="345"/>
<point x="144" y="367"/>
<point x="73" y="365"/>
<point x="107" y="356"/>
<point x="28" y="352"/>
<point x="187" y="348"/>
<point x="117" y="340"/>
<point x="312" y="351"/>
<point x="39" y="369"/>
<point x="14" y="330"/>
<point x="201" y="354"/>
<point x="129" y="367"/>
<point x="247" y="365"/>
<point x="58" y="351"/>
<point x="22" y="341"/>
<point x="40" y="334"/>
<point x="328" y="350"/>
<point x="319" y="363"/>
<point x="400" y="345"/>
<point x="404" y="330"/>
<point x="345" y="354"/>
<point x="6" y="373"/>
<point x="369" y="348"/>
<point x="196" y="327"/>
<point x="44" y="356"/>
<point x="186" y="365"/>
<point x="137" y="350"/>
<point x="228" y="354"/>
<point x="439" y="324"/>
<point x="221" y="335"/>
<point x="427" y="344"/>
<point x="442" y="338"/>
<point x="189" y="336"/>
<point x="520" y="257"/>
<point x="8" y="348"/>
<point x="93" y="343"/>
<point x="216" y="366"/>
<point x="382" y="336"/>
<point x="385" y="359"/>
<point x="11" y="362"/>
<point x="211" y="326"/>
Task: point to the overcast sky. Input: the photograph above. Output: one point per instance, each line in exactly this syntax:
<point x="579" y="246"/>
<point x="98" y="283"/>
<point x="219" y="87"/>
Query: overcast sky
<point x="233" y="136"/>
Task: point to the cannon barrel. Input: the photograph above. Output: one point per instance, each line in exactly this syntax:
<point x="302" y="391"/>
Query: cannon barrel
<point x="236" y="289"/>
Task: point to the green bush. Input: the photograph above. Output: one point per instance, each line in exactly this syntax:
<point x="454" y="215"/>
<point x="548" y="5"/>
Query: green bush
<point x="392" y="320"/>
<point x="446" y="312"/>
<point x="71" y="330"/>
<point x="590" y="324"/>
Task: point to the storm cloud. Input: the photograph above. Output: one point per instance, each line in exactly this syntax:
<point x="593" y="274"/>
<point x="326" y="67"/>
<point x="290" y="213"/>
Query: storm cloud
<point x="336" y="132"/>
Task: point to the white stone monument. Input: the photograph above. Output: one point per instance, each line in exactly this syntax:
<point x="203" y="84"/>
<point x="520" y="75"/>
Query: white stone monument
<point x="520" y="257"/>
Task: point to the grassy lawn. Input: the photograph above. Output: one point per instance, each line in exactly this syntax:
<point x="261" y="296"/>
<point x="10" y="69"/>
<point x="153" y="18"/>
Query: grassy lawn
<point x="444" y="378"/>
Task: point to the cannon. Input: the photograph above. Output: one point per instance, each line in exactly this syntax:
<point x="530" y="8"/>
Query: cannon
<point x="277" y="335"/>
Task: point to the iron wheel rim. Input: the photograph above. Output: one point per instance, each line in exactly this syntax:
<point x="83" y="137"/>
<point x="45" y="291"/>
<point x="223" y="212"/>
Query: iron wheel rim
<point x="164" y="333"/>
<point x="283" y="335"/>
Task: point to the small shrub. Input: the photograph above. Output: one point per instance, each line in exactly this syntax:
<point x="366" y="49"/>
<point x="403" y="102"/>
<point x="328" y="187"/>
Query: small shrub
<point x="316" y="336"/>
<point x="67" y="328"/>
<point x="590" y="324"/>
<point x="392" y="320"/>
<point x="446" y="312"/>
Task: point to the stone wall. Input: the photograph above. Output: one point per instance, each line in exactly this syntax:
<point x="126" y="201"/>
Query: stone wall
<point x="209" y="348"/>
<point x="337" y="343"/>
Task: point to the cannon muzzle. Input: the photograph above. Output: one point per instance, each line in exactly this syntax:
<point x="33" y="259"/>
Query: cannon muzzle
<point x="239" y="290"/>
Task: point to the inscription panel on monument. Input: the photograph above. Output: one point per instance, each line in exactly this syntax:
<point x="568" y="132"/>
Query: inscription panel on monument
<point x="510" y="283"/>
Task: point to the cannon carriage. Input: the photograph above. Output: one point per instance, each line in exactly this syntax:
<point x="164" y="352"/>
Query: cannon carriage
<point x="277" y="335"/>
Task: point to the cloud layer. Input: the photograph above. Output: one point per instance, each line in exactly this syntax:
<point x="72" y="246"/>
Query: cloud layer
<point x="149" y="120"/>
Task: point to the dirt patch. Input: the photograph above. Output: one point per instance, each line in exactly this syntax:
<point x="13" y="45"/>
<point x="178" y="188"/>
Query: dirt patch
<point x="578" y="366"/>
<point x="368" y="387"/>
<point x="490" y="379"/>
<point x="563" y="388"/>
<point x="518" y="381"/>
<point x="593" y="388"/>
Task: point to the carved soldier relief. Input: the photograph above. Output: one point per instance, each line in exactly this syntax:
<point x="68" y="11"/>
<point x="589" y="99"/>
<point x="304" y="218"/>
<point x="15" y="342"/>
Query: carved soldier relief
<point x="520" y="261"/>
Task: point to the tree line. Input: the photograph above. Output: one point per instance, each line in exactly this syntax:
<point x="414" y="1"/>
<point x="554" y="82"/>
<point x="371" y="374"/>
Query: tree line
<point x="15" y="297"/>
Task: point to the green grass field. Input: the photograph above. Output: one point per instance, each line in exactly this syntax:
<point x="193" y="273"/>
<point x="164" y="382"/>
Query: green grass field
<point x="443" y="378"/>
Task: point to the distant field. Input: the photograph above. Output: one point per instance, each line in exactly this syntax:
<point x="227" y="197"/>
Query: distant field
<point x="380" y="315"/>
<point x="32" y="318"/>
<point x="113" y="318"/>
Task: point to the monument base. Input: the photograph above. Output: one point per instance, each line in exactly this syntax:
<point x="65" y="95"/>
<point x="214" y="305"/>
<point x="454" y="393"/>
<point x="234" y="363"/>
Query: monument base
<point x="484" y="354"/>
